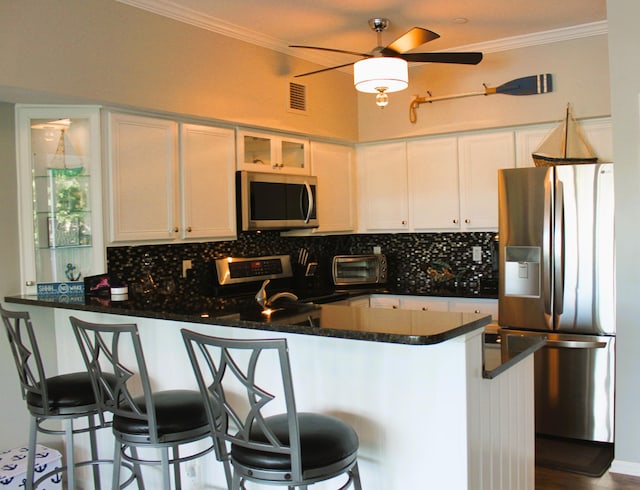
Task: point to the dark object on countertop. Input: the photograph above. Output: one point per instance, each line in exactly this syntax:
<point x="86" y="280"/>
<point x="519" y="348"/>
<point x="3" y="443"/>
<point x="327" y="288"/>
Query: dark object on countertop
<point x="572" y="455"/>
<point x="100" y="285"/>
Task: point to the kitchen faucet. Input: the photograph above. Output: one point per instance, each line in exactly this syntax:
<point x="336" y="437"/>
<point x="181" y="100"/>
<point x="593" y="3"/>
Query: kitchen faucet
<point x="264" y="302"/>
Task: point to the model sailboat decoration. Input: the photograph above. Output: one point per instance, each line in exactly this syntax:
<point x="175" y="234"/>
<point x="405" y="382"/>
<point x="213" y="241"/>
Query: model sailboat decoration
<point x="565" y="145"/>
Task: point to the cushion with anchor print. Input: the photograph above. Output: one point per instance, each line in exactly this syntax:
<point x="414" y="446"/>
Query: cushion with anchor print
<point x="13" y="468"/>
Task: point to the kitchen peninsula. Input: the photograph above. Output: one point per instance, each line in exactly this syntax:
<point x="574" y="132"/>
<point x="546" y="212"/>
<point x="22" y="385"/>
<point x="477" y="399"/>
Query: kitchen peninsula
<point x="412" y="383"/>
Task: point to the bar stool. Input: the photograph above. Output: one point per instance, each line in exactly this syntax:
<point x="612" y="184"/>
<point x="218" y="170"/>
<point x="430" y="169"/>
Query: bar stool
<point x="66" y="398"/>
<point x="163" y="420"/>
<point x="289" y="449"/>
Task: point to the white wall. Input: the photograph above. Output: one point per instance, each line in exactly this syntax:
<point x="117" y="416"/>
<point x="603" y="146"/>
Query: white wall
<point x="106" y="52"/>
<point x="577" y="67"/>
<point x="624" y="39"/>
<point x="13" y="429"/>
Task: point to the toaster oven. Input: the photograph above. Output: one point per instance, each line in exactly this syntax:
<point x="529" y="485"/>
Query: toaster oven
<point x="359" y="269"/>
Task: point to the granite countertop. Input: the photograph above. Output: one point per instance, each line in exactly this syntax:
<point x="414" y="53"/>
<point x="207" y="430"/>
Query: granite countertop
<point x="503" y="351"/>
<point x="328" y="320"/>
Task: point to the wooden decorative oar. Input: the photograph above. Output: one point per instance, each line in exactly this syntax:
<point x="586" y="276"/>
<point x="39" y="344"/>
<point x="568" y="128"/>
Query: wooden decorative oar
<point x="531" y="85"/>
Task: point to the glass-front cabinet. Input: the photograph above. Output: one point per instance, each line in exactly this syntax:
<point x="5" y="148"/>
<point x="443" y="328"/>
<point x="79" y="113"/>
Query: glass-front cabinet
<point x="58" y="150"/>
<point x="265" y="152"/>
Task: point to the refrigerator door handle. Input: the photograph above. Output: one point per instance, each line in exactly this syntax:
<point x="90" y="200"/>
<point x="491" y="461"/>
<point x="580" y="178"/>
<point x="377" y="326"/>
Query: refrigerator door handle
<point x="558" y="251"/>
<point x="547" y="246"/>
<point x="575" y="344"/>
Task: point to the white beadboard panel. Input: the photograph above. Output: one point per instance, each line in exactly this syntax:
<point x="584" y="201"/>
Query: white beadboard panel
<point x="502" y="439"/>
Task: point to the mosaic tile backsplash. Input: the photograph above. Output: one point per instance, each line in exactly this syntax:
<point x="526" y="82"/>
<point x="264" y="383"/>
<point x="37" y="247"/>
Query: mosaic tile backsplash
<point x="419" y="263"/>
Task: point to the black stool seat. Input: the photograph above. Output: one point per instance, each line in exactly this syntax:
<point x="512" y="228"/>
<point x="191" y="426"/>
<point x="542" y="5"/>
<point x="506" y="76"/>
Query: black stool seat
<point x="66" y="391"/>
<point x="324" y="440"/>
<point x="176" y="411"/>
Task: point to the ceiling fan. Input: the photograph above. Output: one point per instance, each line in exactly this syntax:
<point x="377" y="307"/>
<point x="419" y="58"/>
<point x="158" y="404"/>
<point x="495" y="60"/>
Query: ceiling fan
<point x="384" y="69"/>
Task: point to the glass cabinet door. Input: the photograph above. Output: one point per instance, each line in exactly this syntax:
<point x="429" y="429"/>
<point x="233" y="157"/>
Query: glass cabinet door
<point x="60" y="209"/>
<point x="264" y="152"/>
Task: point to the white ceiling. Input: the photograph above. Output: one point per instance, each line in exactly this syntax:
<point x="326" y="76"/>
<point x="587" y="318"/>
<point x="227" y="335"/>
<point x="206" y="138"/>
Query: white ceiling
<point x="480" y="25"/>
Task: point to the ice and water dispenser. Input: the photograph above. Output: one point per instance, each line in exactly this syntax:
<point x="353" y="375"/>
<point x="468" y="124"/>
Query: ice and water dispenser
<point x="522" y="271"/>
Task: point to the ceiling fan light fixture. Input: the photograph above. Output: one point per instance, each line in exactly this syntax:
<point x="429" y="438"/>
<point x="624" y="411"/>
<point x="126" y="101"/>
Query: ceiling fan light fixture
<point x="380" y="74"/>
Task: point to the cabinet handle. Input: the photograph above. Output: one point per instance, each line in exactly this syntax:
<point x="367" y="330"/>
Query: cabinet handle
<point x="403" y="222"/>
<point x="30" y="283"/>
<point x="188" y="229"/>
<point x="175" y="230"/>
<point x="394" y="307"/>
<point x="455" y="221"/>
<point x="467" y="221"/>
<point x="424" y="308"/>
<point x="476" y="311"/>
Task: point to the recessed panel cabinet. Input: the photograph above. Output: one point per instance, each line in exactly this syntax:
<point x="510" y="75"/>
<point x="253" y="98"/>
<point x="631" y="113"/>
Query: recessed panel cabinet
<point x="433" y="184"/>
<point x="333" y="165"/>
<point x="168" y="180"/>
<point x="480" y="156"/>
<point x="383" y="198"/>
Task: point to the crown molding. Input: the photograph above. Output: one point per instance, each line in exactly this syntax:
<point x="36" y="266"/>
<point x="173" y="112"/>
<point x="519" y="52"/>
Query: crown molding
<point x="167" y="8"/>
<point x="538" y="38"/>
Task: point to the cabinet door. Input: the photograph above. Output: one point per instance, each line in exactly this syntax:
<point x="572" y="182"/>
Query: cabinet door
<point x="265" y="152"/>
<point x="207" y="164"/>
<point x="527" y="141"/>
<point x="434" y="197"/>
<point x="480" y="158"/>
<point x="333" y="166"/>
<point x="142" y="178"/>
<point x="423" y="304"/>
<point x="486" y="306"/>
<point x="384" y="301"/>
<point x="383" y="198"/>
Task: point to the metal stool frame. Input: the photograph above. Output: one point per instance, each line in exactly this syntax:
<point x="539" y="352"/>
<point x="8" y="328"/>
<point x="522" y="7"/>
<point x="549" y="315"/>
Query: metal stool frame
<point x="227" y="374"/>
<point x="100" y="345"/>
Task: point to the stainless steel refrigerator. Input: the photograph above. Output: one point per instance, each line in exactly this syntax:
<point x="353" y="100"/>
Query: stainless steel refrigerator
<point x="557" y="277"/>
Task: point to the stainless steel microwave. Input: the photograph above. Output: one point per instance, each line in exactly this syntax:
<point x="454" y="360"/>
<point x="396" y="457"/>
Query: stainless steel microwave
<point x="359" y="269"/>
<point x="275" y="201"/>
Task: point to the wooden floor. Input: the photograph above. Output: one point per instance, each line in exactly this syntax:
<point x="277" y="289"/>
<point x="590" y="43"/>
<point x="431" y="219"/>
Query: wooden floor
<point x="547" y="479"/>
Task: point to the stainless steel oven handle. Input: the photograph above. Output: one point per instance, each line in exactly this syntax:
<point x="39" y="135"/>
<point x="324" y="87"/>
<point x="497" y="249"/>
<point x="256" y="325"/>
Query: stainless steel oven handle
<point x="575" y="344"/>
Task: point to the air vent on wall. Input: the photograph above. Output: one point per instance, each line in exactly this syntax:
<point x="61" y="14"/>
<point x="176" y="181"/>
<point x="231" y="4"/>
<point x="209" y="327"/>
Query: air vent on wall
<point x="297" y="97"/>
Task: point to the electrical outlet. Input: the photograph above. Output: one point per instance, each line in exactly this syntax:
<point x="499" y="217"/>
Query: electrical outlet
<point x="377" y="250"/>
<point x="477" y="254"/>
<point x="186" y="266"/>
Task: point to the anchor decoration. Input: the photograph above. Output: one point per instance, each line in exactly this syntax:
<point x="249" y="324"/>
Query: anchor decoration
<point x="70" y="273"/>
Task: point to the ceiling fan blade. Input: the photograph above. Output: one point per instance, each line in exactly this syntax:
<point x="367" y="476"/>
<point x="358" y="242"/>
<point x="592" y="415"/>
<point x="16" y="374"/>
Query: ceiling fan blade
<point x="323" y="69"/>
<point x="411" y="39"/>
<point x="355" y="53"/>
<point x="464" y="58"/>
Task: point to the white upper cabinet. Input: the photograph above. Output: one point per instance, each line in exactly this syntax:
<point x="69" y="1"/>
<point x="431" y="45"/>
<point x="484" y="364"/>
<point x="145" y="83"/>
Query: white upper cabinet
<point x="333" y="165"/>
<point x="382" y="175"/>
<point x="207" y="164"/>
<point x="266" y="152"/>
<point x="597" y="132"/>
<point x="169" y="181"/>
<point x="433" y="184"/>
<point x="434" y="194"/>
<point x="142" y="178"/>
<point x="480" y="157"/>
